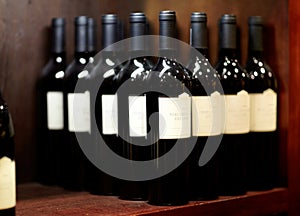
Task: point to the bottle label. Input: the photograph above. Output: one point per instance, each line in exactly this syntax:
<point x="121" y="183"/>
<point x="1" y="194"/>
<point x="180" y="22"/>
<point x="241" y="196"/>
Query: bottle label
<point x="237" y="113"/>
<point x="175" y="117"/>
<point x="137" y="116"/>
<point x="109" y="114"/>
<point x="79" y="112"/>
<point x="55" y="111"/>
<point x="206" y="115"/>
<point x="263" y="111"/>
<point x="7" y="183"/>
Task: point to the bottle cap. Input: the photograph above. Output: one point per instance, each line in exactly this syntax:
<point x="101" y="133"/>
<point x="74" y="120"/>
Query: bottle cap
<point x="81" y="20"/>
<point x="255" y="20"/>
<point x="92" y="38"/>
<point x="199" y="35"/>
<point x="228" y="19"/>
<point x="198" y="17"/>
<point x="58" y="21"/>
<point x="167" y="15"/>
<point x="137" y="17"/>
<point x="109" y="19"/>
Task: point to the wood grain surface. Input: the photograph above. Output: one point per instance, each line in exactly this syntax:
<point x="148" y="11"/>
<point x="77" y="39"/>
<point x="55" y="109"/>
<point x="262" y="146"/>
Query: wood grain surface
<point x="37" y="200"/>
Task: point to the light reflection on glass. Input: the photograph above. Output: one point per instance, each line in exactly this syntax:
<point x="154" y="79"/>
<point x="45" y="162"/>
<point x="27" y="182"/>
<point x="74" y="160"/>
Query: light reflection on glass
<point x="83" y="74"/>
<point x="59" y="74"/>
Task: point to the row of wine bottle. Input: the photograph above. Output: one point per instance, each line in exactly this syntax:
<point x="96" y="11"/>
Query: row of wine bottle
<point x="247" y="156"/>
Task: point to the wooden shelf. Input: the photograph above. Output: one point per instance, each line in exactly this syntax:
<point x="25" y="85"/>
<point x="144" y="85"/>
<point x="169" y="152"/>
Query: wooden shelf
<point x="35" y="199"/>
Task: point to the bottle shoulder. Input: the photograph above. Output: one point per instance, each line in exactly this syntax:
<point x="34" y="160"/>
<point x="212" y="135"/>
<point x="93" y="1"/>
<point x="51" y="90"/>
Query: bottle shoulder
<point x="234" y="78"/>
<point x="6" y="125"/>
<point x="53" y="70"/>
<point x="231" y="69"/>
<point x="135" y="70"/>
<point x="261" y="75"/>
<point x="259" y="69"/>
<point x="74" y="68"/>
<point x="170" y="68"/>
<point x="204" y="78"/>
<point x="105" y="68"/>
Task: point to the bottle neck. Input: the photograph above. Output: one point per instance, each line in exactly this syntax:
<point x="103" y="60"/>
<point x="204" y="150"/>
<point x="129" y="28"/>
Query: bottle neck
<point x="1" y="98"/>
<point x="58" y="39"/>
<point x="92" y="53"/>
<point x="228" y="53"/>
<point x="108" y="54"/>
<point x="167" y="29"/>
<point x="92" y="36"/>
<point x="81" y="55"/>
<point x="255" y="53"/>
<point x="228" y="36"/>
<point x="199" y="35"/>
<point x="167" y="53"/>
<point x="203" y="51"/>
<point x="109" y="35"/>
<point x="59" y="58"/>
<point x="81" y="39"/>
<point x="255" y="43"/>
<point x="137" y="29"/>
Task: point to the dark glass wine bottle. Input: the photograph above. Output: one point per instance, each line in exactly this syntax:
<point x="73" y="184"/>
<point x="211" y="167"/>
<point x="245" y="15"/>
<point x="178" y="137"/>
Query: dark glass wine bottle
<point x="106" y="69"/>
<point x="205" y="103"/>
<point x="92" y="51"/>
<point x="51" y="108"/>
<point x="7" y="162"/>
<point x="234" y="79"/>
<point x="77" y="109"/>
<point x="132" y="116"/>
<point x="174" y="117"/>
<point x="262" y="152"/>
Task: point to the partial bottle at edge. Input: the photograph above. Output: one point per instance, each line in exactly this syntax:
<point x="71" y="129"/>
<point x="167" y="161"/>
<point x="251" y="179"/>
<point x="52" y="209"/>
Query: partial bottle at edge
<point x="7" y="162"/>
<point x="51" y="109"/>
<point x="262" y="153"/>
<point x="234" y="79"/>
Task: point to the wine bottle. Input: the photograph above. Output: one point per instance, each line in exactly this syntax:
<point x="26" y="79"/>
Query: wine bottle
<point x="106" y="69"/>
<point x="77" y="115"/>
<point x="262" y="152"/>
<point x="51" y="108"/>
<point x="132" y="113"/>
<point x="7" y="162"/>
<point x="234" y="79"/>
<point x="92" y="51"/>
<point x="174" y="120"/>
<point x="205" y="104"/>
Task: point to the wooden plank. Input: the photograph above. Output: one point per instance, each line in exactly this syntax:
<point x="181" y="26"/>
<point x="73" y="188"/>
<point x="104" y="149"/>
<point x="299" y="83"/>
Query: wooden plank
<point x="34" y="199"/>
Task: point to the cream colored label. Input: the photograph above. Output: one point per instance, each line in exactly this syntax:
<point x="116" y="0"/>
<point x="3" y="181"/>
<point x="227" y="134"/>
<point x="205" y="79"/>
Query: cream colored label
<point x="109" y="114"/>
<point x="263" y="111"/>
<point x="7" y="183"/>
<point x="206" y="115"/>
<point x="137" y="116"/>
<point x="175" y="117"/>
<point x="55" y="111"/>
<point x="237" y="113"/>
<point x="79" y="117"/>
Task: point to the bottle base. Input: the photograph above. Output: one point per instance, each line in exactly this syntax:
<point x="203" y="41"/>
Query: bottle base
<point x="8" y="212"/>
<point x="167" y="203"/>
